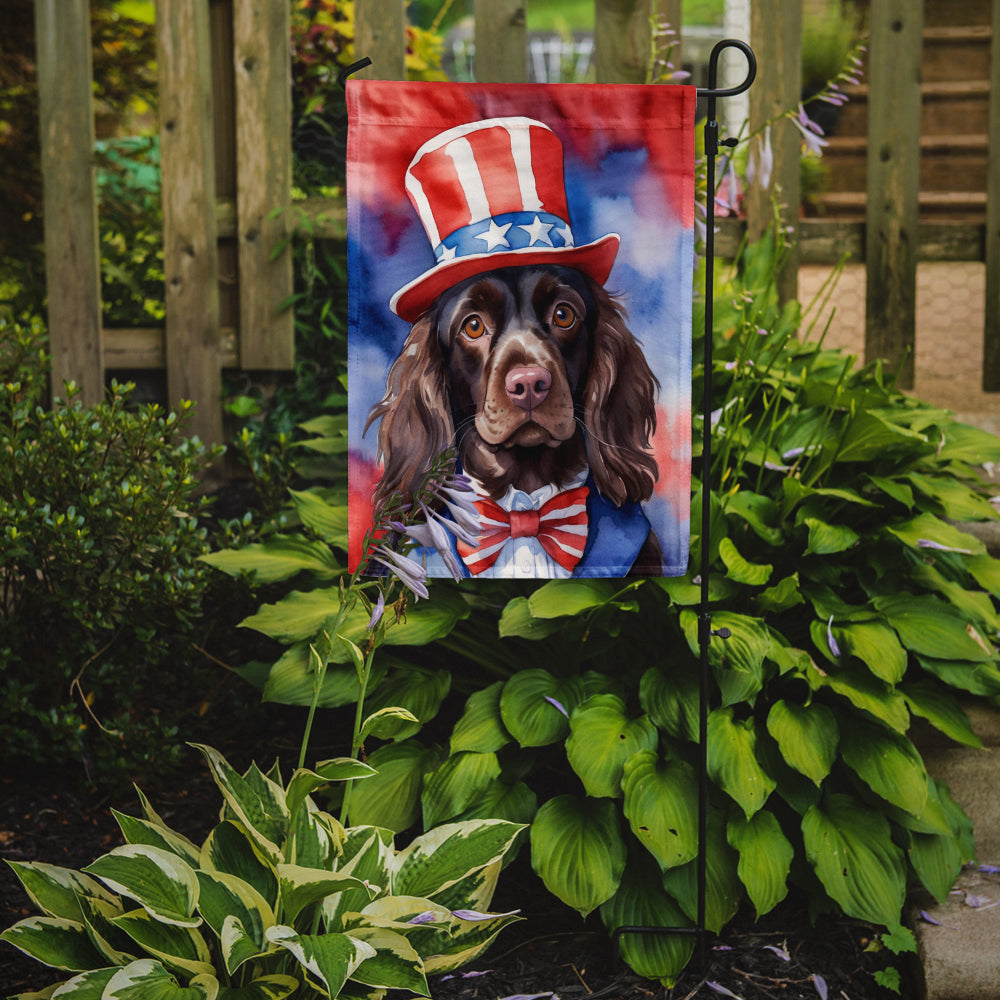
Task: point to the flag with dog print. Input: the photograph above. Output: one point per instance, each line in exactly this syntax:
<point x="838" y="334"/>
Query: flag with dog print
<point x="520" y="278"/>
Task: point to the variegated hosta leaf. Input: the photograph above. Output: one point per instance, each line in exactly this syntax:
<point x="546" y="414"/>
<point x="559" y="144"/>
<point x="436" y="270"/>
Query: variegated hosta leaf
<point x="888" y="763"/>
<point x="328" y="959"/>
<point x="301" y="887"/>
<point x="86" y="986"/>
<point x="850" y="847"/>
<point x="642" y="902"/>
<point x="578" y="851"/>
<point x="723" y="889"/>
<point x="395" y="964"/>
<point x="367" y="853"/>
<point x="315" y="838"/>
<point x="807" y="736"/>
<point x="230" y="849"/>
<point x="225" y="897"/>
<point x="467" y="940"/>
<point x="304" y="782"/>
<point x="661" y="805"/>
<point x="147" y="979"/>
<point x="177" y="947"/>
<point x="481" y="727"/>
<point x="441" y="857"/>
<point x="256" y="801"/>
<point x="56" y="891"/>
<point x="158" y="880"/>
<point x="535" y="706"/>
<point x="476" y="890"/>
<point x="765" y="858"/>
<point x="391" y="799"/>
<point x="274" y="987"/>
<point x="54" y="941"/>
<point x="602" y="737"/>
<point x="141" y="831"/>
<point x="98" y="915"/>
<point x="732" y="760"/>
<point x="456" y="784"/>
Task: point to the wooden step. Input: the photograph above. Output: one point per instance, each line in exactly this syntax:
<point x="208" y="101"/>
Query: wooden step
<point x="956" y="53"/>
<point x="945" y="12"/>
<point x="964" y="206"/>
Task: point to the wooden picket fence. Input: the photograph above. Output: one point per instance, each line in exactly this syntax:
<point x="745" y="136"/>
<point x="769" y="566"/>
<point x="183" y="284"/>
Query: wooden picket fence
<point x="225" y="132"/>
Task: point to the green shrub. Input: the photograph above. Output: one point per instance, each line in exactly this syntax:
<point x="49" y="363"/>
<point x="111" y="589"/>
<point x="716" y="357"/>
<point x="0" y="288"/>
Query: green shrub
<point x="101" y="584"/>
<point x="854" y="605"/>
<point x="279" y="900"/>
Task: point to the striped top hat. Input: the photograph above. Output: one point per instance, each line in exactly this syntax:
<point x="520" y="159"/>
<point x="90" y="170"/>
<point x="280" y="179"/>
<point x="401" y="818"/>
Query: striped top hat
<point x="491" y="194"/>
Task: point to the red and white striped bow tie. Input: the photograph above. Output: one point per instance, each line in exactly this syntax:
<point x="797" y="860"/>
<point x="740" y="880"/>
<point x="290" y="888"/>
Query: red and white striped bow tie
<point x="560" y="525"/>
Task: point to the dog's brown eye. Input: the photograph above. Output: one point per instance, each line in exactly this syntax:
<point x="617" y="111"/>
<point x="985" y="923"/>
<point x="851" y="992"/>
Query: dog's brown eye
<point x="563" y="316"/>
<point x="473" y="327"/>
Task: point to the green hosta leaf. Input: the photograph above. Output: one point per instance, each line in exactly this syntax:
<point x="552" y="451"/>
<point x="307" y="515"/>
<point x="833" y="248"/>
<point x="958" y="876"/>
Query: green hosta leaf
<point x="850" y="848"/>
<point x="226" y="898"/>
<point x="56" y="891"/>
<point x="870" y="435"/>
<point x="387" y="723"/>
<point x="279" y="558"/>
<point x="517" y="620"/>
<point x="986" y="571"/>
<point x="876" y="646"/>
<point x="456" y="784"/>
<point x="481" y="728"/>
<point x="732" y="760"/>
<point x="888" y="763"/>
<point x="231" y="850"/>
<point x="180" y="948"/>
<point x="328" y="520"/>
<point x="330" y="959"/>
<point x="391" y="798"/>
<point x="864" y="691"/>
<point x="578" y="851"/>
<point x="758" y="511"/>
<point x="937" y="860"/>
<point x="827" y="539"/>
<point x="275" y="987"/>
<point x="292" y="680"/>
<point x="723" y="889"/>
<point x="671" y="700"/>
<point x="751" y="574"/>
<point x="641" y="901"/>
<point x="661" y="799"/>
<point x="602" y="738"/>
<point x="516" y="803"/>
<point x="54" y="941"/>
<point x="738" y="661"/>
<point x="535" y="706"/>
<point x="783" y="595"/>
<point x="928" y="528"/>
<point x="765" y="858"/>
<point x="160" y="882"/>
<point x="418" y="691"/>
<point x="304" y="782"/>
<point x="975" y="605"/>
<point x="976" y="678"/>
<point x="941" y="709"/>
<point x="438" y="859"/>
<point x="141" y="831"/>
<point x="807" y="736"/>
<point x="395" y="964"/>
<point x="965" y="443"/>
<point x="560" y="598"/>
<point x="147" y="979"/>
<point x="301" y="887"/>
<point x="957" y="501"/>
<point x="260" y="809"/>
<point x="893" y="488"/>
<point x="931" y="628"/>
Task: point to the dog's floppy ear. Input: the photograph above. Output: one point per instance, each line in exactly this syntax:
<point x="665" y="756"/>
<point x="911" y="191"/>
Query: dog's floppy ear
<point x="416" y="424"/>
<point x="619" y="408"/>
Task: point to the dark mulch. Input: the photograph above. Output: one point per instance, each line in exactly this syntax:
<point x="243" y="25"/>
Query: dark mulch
<point x="552" y="951"/>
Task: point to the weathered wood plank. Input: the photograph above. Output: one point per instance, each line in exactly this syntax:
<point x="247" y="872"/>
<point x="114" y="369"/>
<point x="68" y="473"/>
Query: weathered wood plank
<point x="144" y="348"/>
<point x="190" y="253"/>
<point x="501" y="41"/>
<point x="776" y="35"/>
<point x="991" y="331"/>
<point x="72" y="256"/>
<point x="262" y="63"/>
<point x="380" y="34"/>
<point x="621" y="40"/>
<point x="893" y="184"/>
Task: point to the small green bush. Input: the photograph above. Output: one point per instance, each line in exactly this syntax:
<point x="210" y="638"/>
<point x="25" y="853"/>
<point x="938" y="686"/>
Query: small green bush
<point x="99" y="578"/>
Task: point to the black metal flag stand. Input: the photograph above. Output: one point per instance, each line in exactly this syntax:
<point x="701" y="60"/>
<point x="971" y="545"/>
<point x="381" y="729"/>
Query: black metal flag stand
<point x="705" y="631"/>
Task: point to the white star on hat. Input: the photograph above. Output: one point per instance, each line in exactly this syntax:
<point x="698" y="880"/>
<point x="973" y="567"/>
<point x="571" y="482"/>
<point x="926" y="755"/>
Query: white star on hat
<point x="567" y="236"/>
<point x="538" y="231"/>
<point x="495" y="236"/>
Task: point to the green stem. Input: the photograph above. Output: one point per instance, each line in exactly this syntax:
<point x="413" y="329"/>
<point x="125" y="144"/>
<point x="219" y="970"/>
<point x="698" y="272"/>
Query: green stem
<point x="356" y="738"/>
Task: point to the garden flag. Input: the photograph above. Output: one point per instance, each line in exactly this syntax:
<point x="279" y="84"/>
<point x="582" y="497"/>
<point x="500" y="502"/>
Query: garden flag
<point x="520" y="276"/>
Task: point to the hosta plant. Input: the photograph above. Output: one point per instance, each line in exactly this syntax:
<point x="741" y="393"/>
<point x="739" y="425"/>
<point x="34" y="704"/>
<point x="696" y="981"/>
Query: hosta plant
<point x="279" y="900"/>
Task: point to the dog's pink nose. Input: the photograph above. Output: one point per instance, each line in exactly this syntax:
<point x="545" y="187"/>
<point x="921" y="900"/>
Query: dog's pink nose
<point x="527" y="387"/>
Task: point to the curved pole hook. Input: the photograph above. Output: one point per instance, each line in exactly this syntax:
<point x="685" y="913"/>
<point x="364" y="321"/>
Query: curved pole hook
<point x="712" y="90"/>
<point x="353" y="68"/>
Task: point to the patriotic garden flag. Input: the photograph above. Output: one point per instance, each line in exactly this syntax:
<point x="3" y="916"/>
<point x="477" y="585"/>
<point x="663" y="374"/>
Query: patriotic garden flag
<point x="521" y="267"/>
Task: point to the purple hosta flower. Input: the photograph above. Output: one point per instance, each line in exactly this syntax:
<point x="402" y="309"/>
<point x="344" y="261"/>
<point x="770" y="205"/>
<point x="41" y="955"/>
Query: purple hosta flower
<point x="475" y="915"/>
<point x="728" y="198"/>
<point x="812" y="134"/>
<point x="377" y="612"/>
<point x="990" y="869"/>
<point x="531" y="996"/>
<point x="780" y="952"/>
<point x="433" y="534"/>
<point x="409" y="572"/>
<point x="760" y="165"/>
<point x="719" y="988"/>
<point x="820" y="983"/>
<point x="558" y="705"/>
<point x="834" y="648"/>
<point x="427" y="917"/>
<point x="465" y="975"/>
<point x="927" y="543"/>
<point x="927" y="918"/>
